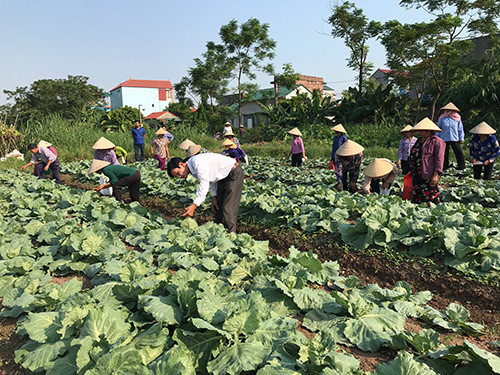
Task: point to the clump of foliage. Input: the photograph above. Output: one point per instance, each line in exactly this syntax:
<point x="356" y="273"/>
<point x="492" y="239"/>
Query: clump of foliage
<point x="10" y="138"/>
<point x="121" y="119"/>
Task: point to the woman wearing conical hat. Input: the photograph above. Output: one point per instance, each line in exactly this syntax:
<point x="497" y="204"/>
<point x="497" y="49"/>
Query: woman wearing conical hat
<point x="297" y="151"/>
<point x="380" y="174"/>
<point x="426" y="162"/>
<point x="233" y="151"/>
<point x="338" y="140"/>
<point x="348" y="164"/>
<point x="159" y="148"/>
<point x="483" y="150"/>
<point x="103" y="150"/>
<point x="230" y="135"/>
<point x="452" y="132"/>
<point x="405" y="146"/>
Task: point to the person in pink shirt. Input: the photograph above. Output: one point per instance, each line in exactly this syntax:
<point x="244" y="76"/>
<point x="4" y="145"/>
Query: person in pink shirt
<point x="50" y="147"/>
<point x="297" y="151"/>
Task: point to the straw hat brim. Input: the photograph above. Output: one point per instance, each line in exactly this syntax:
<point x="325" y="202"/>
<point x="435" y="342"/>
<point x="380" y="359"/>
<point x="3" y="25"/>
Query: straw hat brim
<point x="295" y="131"/>
<point x="161" y="131"/>
<point x="184" y="145"/>
<point x="103" y="144"/>
<point x="350" y="148"/>
<point x="193" y="150"/>
<point x="451" y="107"/>
<point x="98" y="164"/>
<point x="43" y="143"/>
<point x="228" y="133"/>
<point x="426" y="124"/>
<point x="339" y="128"/>
<point x="378" y="168"/>
<point x="227" y="142"/>
<point x="406" y="129"/>
<point x="483" y="128"/>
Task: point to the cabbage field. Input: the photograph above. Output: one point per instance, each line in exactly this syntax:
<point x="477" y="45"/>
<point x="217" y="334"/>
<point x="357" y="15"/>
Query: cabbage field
<point x="95" y="286"/>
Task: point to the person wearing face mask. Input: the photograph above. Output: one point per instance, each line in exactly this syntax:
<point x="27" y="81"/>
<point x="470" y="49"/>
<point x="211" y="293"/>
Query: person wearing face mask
<point x="452" y="132"/>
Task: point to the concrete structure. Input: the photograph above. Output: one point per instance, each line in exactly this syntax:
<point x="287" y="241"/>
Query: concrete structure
<point x="150" y="95"/>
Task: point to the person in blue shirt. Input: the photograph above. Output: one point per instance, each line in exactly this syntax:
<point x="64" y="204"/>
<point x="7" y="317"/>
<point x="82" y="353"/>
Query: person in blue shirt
<point x="483" y="150"/>
<point x="139" y="136"/>
<point x="338" y="140"/>
<point x="452" y="132"/>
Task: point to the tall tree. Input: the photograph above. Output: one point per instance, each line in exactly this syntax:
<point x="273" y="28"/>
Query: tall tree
<point x="248" y="46"/>
<point x="429" y="53"/>
<point x="288" y="78"/>
<point x="66" y="97"/>
<point x="350" y="24"/>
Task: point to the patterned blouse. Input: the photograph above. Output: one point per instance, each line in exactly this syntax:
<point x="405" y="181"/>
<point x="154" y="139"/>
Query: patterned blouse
<point x="348" y="164"/>
<point x="159" y="145"/>
<point x="486" y="150"/>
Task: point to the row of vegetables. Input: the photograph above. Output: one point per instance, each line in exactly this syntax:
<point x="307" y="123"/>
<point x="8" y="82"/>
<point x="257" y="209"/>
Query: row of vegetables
<point x="143" y="295"/>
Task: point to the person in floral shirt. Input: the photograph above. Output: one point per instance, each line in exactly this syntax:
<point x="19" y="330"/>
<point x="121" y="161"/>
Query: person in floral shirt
<point x="483" y="150"/>
<point x="348" y="164"/>
<point x="159" y="148"/>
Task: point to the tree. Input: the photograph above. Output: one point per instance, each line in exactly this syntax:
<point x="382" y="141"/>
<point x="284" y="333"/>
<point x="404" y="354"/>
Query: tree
<point x="120" y="119"/>
<point x="286" y="79"/>
<point x="66" y="97"/>
<point x="247" y="46"/>
<point x="350" y="24"/>
<point x="432" y="52"/>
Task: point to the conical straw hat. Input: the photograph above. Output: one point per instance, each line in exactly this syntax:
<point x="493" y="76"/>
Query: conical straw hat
<point x="295" y="131"/>
<point x="426" y="124"/>
<point x="350" y="148"/>
<point x="43" y="143"/>
<point x="378" y="168"/>
<point x="339" y="128"/>
<point x="407" y="128"/>
<point x="103" y="144"/>
<point x="450" y="106"/>
<point x="98" y="164"/>
<point x="161" y="131"/>
<point x="227" y="142"/>
<point x="229" y="132"/>
<point x="184" y="145"/>
<point x="483" y="128"/>
<point x="193" y="150"/>
<point x="227" y="123"/>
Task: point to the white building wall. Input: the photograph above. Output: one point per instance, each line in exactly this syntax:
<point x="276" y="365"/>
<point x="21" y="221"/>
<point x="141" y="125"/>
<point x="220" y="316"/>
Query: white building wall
<point x="147" y="98"/>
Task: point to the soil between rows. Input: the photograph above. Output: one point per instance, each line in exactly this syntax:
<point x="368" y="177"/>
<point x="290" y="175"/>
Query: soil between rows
<point x="481" y="300"/>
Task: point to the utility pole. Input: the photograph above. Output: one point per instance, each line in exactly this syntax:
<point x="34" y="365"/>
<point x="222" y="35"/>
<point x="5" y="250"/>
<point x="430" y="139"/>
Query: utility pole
<point x="140" y="119"/>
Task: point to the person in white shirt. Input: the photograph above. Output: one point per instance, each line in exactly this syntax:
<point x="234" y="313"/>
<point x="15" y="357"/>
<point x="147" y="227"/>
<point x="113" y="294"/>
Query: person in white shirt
<point x="225" y="178"/>
<point x="48" y="160"/>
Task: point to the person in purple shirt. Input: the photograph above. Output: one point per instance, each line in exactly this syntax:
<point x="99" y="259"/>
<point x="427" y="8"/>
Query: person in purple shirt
<point x="233" y="151"/>
<point x="426" y="162"/>
<point x="139" y="135"/>
<point x="48" y="160"/>
<point x="404" y="149"/>
<point x="297" y="150"/>
<point x="103" y="150"/>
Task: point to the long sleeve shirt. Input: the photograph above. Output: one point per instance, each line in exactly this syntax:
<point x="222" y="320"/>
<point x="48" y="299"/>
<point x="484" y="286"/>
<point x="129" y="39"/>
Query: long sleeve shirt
<point x="337" y="142"/>
<point x="389" y="178"/>
<point x="236" y="153"/>
<point x="297" y="146"/>
<point x="486" y="150"/>
<point x="209" y="169"/>
<point x="405" y="146"/>
<point x="452" y="130"/>
<point x="117" y="172"/>
<point x="44" y="154"/>
<point x="109" y="156"/>
<point x="432" y="157"/>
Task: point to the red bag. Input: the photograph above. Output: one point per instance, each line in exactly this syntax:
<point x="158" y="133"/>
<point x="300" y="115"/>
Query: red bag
<point x="408" y="187"/>
<point x="331" y="166"/>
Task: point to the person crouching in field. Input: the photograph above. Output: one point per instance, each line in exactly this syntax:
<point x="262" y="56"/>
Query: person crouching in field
<point x="48" y="160"/>
<point x="159" y="148"/>
<point x="233" y="151"/>
<point x="121" y="153"/>
<point x="483" y="150"/>
<point x="225" y="178"/>
<point x="405" y="146"/>
<point x="426" y="162"/>
<point x="50" y="147"/>
<point x="348" y="164"/>
<point x="379" y="171"/>
<point x="297" y="151"/>
<point x="119" y="176"/>
<point x="104" y="150"/>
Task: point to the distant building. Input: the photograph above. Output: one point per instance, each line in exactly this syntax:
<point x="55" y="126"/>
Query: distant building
<point x="381" y="76"/>
<point x="150" y="95"/>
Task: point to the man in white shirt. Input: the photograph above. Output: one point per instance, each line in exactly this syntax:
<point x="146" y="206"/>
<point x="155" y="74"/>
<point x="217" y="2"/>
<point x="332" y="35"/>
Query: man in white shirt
<point x="47" y="160"/>
<point x="225" y="178"/>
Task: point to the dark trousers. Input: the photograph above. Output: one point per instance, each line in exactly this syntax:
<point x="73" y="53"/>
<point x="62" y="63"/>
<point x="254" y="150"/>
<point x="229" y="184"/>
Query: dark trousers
<point x="488" y="170"/>
<point x="139" y="147"/>
<point x="134" y="186"/>
<point x="405" y="167"/>
<point x="296" y="160"/>
<point x="345" y="186"/>
<point x="54" y="167"/>
<point x="228" y="199"/>
<point x="459" y="155"/>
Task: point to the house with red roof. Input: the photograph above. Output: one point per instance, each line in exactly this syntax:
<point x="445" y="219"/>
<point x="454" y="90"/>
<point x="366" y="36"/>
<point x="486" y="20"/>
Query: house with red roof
<point x="149" y="95"/>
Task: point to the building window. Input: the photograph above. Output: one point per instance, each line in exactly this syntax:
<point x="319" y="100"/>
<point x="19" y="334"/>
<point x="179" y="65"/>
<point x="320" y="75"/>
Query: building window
<point x="162" y="94"/>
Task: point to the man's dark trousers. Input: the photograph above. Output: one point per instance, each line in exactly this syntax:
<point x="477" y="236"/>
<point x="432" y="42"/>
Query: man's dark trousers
<point x="228" y="198"/>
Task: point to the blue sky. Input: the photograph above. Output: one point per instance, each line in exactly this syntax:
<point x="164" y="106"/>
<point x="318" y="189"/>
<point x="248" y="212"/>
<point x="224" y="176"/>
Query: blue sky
<point x="115" y="40"/>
